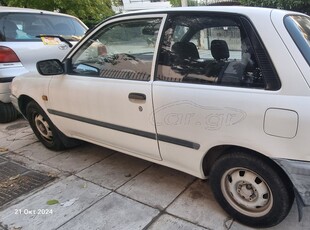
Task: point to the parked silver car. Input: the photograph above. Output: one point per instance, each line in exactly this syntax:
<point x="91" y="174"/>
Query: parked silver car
<point x="21" y="47"/>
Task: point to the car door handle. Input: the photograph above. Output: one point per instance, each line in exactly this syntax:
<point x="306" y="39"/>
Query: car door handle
<point x="137" y="96"/>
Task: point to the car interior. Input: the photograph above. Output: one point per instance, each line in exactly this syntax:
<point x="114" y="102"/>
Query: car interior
<point x="223" y="62"/>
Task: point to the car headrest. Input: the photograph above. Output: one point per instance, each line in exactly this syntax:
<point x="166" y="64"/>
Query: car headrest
<point x="10" y="29"/>
<point x="185" y="50"/>
<point x="219" y="50"/>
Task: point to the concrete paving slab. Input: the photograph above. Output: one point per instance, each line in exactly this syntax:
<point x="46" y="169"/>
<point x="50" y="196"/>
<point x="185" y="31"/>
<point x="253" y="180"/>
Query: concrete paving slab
<point x="35" y="213"/>
<point x="15" y="135"/>
<point x="114" y="171"/>
<point x="157" y="186"/>
<point x="79" y="158"/>
<point x="17" y="141"/>
<point x="168" y="222"/>
<point x="290" y="222"/>
<point x="18" y="128"/>
<point x="13" y="126"/>
<point x="37" y="152"/>
<point x="197" y="205"/>
<point x="2" y="135"/>
<point x="3" y="132"/>
<point x="113" y="212"/>
<point x="20" y="124"/>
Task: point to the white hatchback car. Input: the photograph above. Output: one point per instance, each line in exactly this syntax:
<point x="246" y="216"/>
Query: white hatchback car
<point x="217" y="92"/>
<point x="20" y="48"/>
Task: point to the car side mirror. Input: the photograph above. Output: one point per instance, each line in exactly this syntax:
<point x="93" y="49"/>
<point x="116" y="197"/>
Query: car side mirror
<point x="50" y="67"/>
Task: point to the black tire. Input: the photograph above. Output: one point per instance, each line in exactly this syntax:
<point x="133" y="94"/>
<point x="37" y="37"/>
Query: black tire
<point x="43" y="128"/>
<point x="251" y="189"/>
<point x="7" y="112"/>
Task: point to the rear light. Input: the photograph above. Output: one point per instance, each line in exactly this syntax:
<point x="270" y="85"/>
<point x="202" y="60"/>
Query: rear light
<point x="7" y="55"/>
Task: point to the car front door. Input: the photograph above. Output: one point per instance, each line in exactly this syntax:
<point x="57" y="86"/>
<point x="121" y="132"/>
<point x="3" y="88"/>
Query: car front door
<point x="106" y="97"/>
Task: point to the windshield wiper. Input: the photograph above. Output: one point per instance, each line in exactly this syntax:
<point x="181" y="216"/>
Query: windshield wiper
<point x="56" y="36"/>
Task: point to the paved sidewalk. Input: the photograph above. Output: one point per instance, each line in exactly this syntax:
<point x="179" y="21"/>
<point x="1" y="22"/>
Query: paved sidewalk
<point x="98" y="188"/>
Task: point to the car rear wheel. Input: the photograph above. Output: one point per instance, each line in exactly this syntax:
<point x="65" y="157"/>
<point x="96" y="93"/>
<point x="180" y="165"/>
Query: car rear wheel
<point x="250" y="189"/>
<point x="7" y="112"/>
<point x="43" y="128"/>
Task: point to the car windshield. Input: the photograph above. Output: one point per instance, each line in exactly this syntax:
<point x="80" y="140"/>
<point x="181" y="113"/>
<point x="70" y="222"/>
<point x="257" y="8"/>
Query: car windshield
<point x="299" y="28"/>
<point x="27" y="26"/>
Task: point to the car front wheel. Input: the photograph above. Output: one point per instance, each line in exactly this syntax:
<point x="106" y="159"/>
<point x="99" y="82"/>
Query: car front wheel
<point x="251" y="189"/>
<point x="43" y="128"/>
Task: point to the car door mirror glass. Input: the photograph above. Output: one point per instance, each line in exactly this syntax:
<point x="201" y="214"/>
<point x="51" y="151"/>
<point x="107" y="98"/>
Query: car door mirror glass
<point x="50" y="67"/>
<point x="87" y="69"/>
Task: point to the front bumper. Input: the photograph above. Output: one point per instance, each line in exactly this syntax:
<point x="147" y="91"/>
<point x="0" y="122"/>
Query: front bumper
<point x="299" y="173"/>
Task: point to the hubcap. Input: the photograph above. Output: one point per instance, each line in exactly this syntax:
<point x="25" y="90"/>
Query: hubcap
<point x="246" y="192"/>
<point x="43" y="127"/>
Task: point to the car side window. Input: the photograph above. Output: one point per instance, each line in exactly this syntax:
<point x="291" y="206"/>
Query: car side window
<point x="213" y="50"/>
<point x="123" y="50"/>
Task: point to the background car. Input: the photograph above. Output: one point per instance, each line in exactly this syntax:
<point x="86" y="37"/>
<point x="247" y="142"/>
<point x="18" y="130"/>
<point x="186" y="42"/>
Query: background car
<point x="21" y="48"/>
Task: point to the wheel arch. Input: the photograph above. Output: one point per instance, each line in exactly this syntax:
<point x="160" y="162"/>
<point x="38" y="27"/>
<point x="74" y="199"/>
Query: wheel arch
<point x="23" y="101"/>
<point x="64" y="141"/>
<point x="217" y="151"/>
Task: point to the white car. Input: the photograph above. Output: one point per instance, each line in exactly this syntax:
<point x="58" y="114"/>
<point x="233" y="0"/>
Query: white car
<point x="21" y="48"/>
<point x="217" y="92"/>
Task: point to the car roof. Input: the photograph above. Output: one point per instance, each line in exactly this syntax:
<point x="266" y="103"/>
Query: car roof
<point x="7" y="9"/>
<point x="245" y="10"/>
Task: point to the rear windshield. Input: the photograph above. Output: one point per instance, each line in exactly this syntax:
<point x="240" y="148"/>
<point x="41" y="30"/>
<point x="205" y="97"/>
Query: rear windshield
<point x="26" y="26"/>
<point x="299" y="28"/>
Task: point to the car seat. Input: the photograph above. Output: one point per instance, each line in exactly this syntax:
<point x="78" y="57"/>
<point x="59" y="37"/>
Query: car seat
<point x="184" y="51"/>
<point x="35" y="30"/>
<point x="220" y="53"/>
<point x="62" y="29"/>
<point x="219" y="50"/>
<point x="10" y="29"/>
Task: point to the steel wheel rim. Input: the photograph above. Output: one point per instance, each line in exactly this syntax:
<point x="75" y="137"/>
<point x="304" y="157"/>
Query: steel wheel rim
<point x="43" y="127"/>
<point x="246" y="192"/>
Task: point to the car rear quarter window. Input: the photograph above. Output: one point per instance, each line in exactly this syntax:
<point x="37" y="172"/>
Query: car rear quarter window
<point x="298" y="27"/>
<point x="215" y="49"/>
<point x="27" y="26"/>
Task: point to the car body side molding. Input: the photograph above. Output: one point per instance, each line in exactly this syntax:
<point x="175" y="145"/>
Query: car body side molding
<point x="141" y="133"/>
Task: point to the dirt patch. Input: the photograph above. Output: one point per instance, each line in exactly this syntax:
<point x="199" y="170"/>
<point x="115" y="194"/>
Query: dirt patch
<point x="19" y="125"/>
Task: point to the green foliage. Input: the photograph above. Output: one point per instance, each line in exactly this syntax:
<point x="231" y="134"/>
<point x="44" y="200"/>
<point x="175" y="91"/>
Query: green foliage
<point x="90" y="11"/>
<point x="296" y="5"/>
<point x="175" y="3"/>
<point x="117" y="2"/>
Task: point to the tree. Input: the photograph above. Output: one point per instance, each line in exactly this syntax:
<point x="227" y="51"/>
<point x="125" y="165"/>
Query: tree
<point x="89" y="11"/>
<point x="175" y="3"/>
<point x="296" y="5"/>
